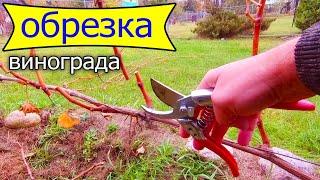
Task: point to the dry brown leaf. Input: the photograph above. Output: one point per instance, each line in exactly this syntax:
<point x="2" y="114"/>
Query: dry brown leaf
<point x="29" y="108"/>
<point x="67" y="121"/>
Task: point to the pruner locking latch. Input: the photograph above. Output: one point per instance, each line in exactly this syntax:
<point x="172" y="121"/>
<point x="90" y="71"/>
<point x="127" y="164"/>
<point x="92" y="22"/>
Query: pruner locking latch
<point x="192" y="128"/>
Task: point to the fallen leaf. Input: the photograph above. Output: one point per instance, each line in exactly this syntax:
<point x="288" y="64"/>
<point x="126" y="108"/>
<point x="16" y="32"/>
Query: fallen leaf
<point x="141" y="150"/>
<point x="29" y="108"/>
<point x="67" y="121"/>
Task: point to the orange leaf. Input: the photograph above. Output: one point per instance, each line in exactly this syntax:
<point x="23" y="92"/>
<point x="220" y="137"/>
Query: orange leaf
<point x="66" y="121"/>
<point x="29" y="108"/>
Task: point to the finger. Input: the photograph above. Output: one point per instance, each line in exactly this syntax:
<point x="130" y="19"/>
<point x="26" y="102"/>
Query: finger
<point x="221" y="116"/>
<point x="246" y="126"/>
<point x="210" y="79"/>
<point x="244" y="137"/>
<point x="222" y="102"/>
<point x="245" y="123"/>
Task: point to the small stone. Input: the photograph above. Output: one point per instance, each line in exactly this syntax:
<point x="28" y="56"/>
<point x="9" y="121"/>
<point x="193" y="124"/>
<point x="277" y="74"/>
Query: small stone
<point x="18" y="119"/>
<point x="276" y="172"/>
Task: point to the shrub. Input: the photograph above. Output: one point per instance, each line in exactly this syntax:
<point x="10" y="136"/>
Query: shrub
<point x="223" y="24"/>
<point x="307" y="14"/>
<point x="266" y="22"/>
<point x="248" y="25"/>
<point x="218" y="25"/>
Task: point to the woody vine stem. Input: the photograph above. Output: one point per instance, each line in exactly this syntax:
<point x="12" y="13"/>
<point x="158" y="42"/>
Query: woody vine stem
<point x="92" y="104"/>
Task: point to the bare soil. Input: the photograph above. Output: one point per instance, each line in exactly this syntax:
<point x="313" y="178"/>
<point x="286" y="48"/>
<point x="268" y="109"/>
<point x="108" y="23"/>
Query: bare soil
<point x="67" y="160"/>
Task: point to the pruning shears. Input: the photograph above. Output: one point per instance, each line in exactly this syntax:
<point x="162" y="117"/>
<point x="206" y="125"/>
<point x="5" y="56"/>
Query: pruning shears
<point x="195" y="115"/>
<point x="196" y="118"/>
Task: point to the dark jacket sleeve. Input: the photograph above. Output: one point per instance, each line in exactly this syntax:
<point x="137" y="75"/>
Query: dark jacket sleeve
<point x="307" y="58"/>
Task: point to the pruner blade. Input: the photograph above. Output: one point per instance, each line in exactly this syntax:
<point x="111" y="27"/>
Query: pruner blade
<point x="183" y="106"/>
<point x="171" y="114"/>
<point x="166" y="94"/>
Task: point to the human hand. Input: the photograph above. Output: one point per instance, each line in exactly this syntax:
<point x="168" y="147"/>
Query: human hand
<point x="242" y="89"/>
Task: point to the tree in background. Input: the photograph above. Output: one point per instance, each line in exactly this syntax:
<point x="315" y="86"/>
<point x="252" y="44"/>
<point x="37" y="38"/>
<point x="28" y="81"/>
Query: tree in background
<point x="190" y="5"/>
<point x="178" y="9"/>
<point x="307" y="14"/>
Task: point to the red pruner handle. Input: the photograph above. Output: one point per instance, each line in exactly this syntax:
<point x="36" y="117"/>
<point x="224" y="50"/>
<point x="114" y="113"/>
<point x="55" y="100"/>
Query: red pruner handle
<point x="214" y="135"/>
<point x="183" y="133"/>
<point x="222" y="152"/>
<point x="214" y="143"/>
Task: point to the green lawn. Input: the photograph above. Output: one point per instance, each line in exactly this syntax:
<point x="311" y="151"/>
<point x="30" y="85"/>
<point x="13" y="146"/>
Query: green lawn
<point x="182" y="69"/>
<point x="282" y="27"/>
<point x="296" y="131"/>
<point x="182" y="30"/>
